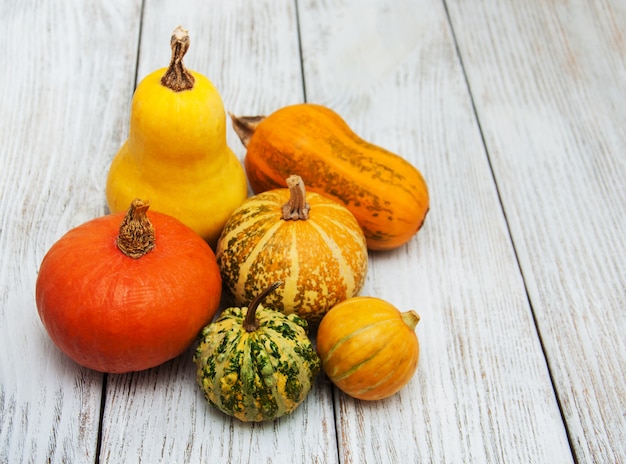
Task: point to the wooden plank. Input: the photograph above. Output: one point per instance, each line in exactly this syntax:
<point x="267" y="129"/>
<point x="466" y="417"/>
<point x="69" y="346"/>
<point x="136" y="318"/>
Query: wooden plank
<point x="67" y="77"/>
<point x="250" y="52"/>
<point x="482" y="392"/>
<point x="548" y="82"/>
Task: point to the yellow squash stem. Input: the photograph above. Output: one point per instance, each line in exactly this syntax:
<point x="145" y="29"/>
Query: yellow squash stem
<point x="177" y="77"/>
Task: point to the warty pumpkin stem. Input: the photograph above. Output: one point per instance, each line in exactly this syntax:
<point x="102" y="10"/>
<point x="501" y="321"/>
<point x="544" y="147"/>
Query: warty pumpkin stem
<point x="251" y="323"/>
<point x="136" y="236"/>
<point x="297" y="207"/>
<point x="177" y="77"/>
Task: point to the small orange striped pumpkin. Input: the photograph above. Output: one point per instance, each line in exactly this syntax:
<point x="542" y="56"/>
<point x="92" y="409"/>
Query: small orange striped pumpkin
<point x="368" y="348"/>
<point x="311" y="243"/>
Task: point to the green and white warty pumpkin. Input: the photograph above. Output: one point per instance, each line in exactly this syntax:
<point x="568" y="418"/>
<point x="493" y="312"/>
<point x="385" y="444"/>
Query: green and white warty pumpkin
<point x="255" y="363"/>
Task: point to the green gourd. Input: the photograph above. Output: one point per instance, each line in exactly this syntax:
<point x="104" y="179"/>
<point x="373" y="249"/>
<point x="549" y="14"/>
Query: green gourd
<point x="254" y="363"/>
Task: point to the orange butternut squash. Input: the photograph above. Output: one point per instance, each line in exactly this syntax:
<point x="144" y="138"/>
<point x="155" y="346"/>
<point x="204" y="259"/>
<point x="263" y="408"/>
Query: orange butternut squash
<point x="387" y="194"/>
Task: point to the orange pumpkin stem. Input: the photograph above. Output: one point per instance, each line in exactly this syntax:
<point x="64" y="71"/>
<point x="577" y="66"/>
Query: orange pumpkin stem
<point x="251" y="323"/>
<point x="136" y="236"/>
<point x="245" y="126"/>
<point x="297" y="207"/>
<point x="177" y="77"/>
<point x="410" y="318"/>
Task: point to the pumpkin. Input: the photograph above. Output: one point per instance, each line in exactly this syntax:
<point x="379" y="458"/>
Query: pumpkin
<point x="255" y="363"/>
<point x="387" y="195"/>
<point x="368" y="348"/>
<point x="311" y="243"/>
<point x="176" y="154"/>
<point x="126" y="292"/>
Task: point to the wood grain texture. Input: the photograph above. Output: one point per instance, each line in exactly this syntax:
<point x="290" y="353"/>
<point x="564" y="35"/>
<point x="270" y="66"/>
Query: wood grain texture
<point x="249" y="50"/>
<point x="514" y="113"/>
<point x="549" y="82"/>
<point x="482" y="392"/>
<point x="160" y="415"/>
<point x="67" y="76"/>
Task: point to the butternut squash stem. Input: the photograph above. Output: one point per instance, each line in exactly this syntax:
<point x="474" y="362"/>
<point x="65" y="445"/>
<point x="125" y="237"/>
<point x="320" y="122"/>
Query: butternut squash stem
<point x="245" y="126"/>
<point x="297" y="207"/>
<point x="136" y="235"/>
<point x="251" y="323"/>
<point x="177" y="77"/>
<point x="410" y="318"/>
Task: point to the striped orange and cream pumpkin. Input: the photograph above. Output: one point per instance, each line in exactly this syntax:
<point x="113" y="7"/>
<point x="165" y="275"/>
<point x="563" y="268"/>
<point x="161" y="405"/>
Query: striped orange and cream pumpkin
<point x="311" y="243"/>
<point x="368" y="347"/>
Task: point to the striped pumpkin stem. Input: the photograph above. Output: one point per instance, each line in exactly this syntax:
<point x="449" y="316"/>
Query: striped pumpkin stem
<point x="251" y="323"/>
<point x="297" y="208"/>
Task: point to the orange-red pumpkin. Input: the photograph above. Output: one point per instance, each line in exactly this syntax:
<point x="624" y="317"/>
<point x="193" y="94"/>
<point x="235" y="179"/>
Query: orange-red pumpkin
<point x="126" y="292"/>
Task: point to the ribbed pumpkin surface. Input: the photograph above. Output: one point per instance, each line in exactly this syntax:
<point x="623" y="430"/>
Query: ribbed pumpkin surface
<point x="117" y="314"/>
<point x="368" y="348"/>
<point x="321" y="260"/>
<point x="259" y="375"/>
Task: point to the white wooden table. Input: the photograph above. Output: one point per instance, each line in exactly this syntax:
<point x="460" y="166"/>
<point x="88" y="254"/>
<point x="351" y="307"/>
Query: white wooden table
<point x="514" y="111"/>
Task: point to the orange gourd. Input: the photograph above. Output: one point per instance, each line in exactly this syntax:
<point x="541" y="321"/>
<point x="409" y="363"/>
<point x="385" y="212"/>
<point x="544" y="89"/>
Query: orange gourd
<point x="387" y="195"/>
<point x="368" y="348"/>
<point x="307" y="241"/>
<point x="127" y="291"/>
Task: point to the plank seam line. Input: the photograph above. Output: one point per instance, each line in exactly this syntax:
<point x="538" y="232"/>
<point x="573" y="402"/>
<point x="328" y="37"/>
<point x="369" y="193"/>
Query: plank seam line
<point x="333" y="397"/>
<point x="105" y="377"/>
<point x="299" y="32"/>
<point x="508" y="226"/>
<point x="139" y="34"/>
<point x="103" y="399"/>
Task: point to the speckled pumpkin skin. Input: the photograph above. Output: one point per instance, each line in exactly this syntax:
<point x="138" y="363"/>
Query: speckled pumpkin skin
<point x="387" y="194"/>
<point x="321" y="261"/>
<point x="260" y="375"/>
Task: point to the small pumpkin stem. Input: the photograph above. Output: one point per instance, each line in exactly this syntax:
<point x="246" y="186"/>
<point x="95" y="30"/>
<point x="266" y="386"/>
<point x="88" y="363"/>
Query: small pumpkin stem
<point x="251" y="323"/>
<point x="136" y="236"/>
<point x="177" y="77"/>
<point x="245" y="126"/>
<point x="410" y="318"/>
<point x="297" y="207"/>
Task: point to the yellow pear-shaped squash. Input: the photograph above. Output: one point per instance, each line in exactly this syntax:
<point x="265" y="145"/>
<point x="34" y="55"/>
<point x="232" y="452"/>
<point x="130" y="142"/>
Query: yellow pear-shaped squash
<point x="176" y="155"/>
